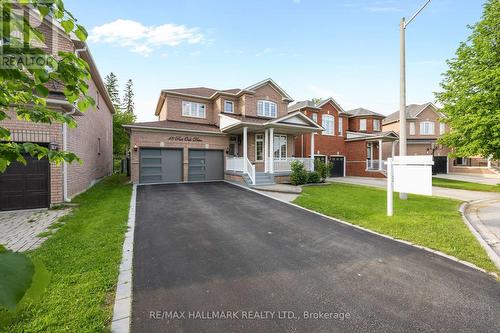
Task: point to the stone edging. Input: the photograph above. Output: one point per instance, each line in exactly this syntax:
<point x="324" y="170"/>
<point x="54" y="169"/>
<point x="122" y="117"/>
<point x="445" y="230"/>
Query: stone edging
<point x="122" y="309"/>
<point x="492" y="254"/>
<point x="439" y="253"/>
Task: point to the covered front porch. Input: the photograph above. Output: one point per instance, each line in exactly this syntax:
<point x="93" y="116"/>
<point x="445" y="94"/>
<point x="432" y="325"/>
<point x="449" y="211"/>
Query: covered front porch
<point x="375" y="151"/>
<point x="262" y="149"/>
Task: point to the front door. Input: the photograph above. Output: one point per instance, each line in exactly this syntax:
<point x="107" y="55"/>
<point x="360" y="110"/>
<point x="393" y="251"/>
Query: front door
<point x="336" y="166"/>
<point x="233" y="146"/>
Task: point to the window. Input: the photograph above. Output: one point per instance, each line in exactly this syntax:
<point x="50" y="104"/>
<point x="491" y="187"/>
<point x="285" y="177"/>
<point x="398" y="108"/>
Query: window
<point x="376" y="124"/>
<point x="328" y="124"/>
<point x="267" y="109"/>
<point x="442" y="128"/>
<point x="279" y="146"/>
<point x="315" y="117"/>
<point x="427" y="128"/>
<point x="362" y="124"/>
<point x="340" y="126"/>
<point x="368" y="151"/>
<point x="259" y="147"/>
<point x="228" y="106"/>
<point x="193" y="109"/>
<point x="412" y="128"/>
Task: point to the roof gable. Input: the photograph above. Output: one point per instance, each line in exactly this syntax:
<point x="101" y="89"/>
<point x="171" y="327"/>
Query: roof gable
<point x="332" y="102"/>
<point x="296" y="118"/>
<point x="273" y="84"/>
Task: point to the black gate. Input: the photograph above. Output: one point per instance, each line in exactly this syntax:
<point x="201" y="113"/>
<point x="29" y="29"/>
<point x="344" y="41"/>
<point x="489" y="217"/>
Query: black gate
<point x="440" y="165"/>
<point x="25" y="186"/>
<point x="336" y="166"/>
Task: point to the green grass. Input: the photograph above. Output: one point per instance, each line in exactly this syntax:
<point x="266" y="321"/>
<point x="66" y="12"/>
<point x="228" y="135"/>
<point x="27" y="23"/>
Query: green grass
<point x="428" y="221"/>
<point x="83" y="257"/>
<point x="461" y="185"/>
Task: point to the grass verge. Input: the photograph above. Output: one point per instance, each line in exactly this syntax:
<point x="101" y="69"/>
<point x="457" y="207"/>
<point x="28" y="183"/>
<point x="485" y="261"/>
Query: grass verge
<point x="461" y="185"/>
<point x="83" y="257"/>
<point x="428" y="221"/>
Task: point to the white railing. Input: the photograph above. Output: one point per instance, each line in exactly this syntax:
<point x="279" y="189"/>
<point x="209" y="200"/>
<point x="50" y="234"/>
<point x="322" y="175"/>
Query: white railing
<point x="373" y="165"/>
<point x="250" y="171"/>
<point x="235" y="164"/>
<point x="284" y="164"/>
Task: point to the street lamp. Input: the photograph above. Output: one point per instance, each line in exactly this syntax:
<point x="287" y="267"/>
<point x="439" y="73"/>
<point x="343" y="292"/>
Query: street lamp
<point x="402" y="86"/>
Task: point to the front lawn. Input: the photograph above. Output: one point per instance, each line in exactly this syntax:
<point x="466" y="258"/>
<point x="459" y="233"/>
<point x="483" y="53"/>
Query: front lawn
<point x="461" y="185"/>
<point x="428" y="221"/>
<point x="83" y="258"/>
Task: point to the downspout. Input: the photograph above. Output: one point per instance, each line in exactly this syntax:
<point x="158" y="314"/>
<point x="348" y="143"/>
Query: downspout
<point x="65" y="142"/>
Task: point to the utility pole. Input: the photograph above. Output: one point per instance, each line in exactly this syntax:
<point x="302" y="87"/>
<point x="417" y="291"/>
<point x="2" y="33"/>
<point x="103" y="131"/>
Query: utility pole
<point x="402" y="86"/>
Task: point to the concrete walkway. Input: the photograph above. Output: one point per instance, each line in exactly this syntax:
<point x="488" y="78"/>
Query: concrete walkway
<point x="19" y="230"/>
<point x="489" y="180"/>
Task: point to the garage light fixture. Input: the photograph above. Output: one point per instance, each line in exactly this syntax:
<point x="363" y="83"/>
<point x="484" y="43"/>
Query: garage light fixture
<point x="135" y="147"/>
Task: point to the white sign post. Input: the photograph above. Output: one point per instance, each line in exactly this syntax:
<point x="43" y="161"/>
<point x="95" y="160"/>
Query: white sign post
<point x="408" y="174"/>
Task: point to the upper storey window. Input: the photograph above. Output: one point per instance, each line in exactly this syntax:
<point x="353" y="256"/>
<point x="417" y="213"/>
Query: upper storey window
<point x="328" y="124"/>
<point x="193" y="109"/>
<point x="267" y="109"/>
<point x="376" y="124"/>
<point x="427" y="128"/>
<point x="228" y="106"/>
<point x="362" y="124"/>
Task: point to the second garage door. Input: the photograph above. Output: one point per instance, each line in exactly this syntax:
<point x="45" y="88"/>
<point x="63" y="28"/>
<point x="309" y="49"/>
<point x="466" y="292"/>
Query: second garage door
<point x="160" y="165"/>
<point x="337" y="166"/>
<point x="206" y="165"/>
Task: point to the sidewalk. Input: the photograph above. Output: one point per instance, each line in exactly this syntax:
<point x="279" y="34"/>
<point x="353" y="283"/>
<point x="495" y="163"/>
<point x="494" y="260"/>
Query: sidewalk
<point x="487" y="180"/>
<point x="485" y="218"/>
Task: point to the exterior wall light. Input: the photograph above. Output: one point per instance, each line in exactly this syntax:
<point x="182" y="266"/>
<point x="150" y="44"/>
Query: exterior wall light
<point x="135" y="147"/>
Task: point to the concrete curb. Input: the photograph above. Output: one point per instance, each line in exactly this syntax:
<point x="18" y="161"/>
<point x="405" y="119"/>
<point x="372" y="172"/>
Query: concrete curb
<point x="439" y="253"/>
<point x="122" y="309"/>
<point x="492" y="254"/>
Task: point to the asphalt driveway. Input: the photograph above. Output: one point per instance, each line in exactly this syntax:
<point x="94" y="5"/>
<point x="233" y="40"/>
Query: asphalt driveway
<point x="213" y="250"/>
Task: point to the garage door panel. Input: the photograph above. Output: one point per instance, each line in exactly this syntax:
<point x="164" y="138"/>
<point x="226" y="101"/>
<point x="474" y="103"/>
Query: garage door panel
<point x="158" y="165"/>
<point x="337" y="166"/>
<point x="206" y="165"/>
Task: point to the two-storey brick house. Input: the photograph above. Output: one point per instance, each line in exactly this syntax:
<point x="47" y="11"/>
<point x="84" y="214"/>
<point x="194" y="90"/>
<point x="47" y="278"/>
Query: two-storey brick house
<point x="205" y="134"/>
<point x="350" y="141"/>
<point x="40" y="183"/>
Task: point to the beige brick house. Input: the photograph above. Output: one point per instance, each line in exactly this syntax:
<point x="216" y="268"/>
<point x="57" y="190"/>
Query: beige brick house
<point x="205" y="134"/>
<point x="424" y="127"/>
<point x="40" y="184"/>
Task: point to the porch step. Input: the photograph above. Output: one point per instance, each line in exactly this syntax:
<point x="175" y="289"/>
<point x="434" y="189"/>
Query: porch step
<point x="261" y="178"/>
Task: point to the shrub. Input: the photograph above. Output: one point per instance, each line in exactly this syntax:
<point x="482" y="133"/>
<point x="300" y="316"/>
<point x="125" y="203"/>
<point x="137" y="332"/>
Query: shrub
<point x="299" y="174"/>
<point x="322" y="169"/>
<point x="313" y="177"/>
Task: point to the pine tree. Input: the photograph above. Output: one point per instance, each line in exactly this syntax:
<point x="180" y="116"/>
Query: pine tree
<point x="111" y="82"/>
<point x="128" y="97"/>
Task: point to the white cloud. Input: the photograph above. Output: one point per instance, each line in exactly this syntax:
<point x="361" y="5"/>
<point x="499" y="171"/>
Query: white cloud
<point x="144" y="39"/>
<point x="265" y="51"/>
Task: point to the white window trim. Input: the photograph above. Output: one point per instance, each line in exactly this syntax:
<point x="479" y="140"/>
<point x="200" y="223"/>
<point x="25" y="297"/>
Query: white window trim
<point x="362" y="120"/>
<point x="264" y="102"/>
<point x="328" y="116"/>
<point x="259" y="138"/>
<point x="277" y="136"/>
<point x="431" y="127"/>
<point x="442" y="128"/>
<point x="413" y="128"/>
<point x="376" y="128"/>
<point x="314" y="117"/>
<point x="232" y="106"/>
<point x="340" y="127"/>
<point x="190" y="114"/>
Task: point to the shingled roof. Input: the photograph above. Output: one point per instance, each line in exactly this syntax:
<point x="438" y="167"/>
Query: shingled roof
<point x="363" y="112"/>
<point x="301" y="105"/>
<point x="412" y="112"/>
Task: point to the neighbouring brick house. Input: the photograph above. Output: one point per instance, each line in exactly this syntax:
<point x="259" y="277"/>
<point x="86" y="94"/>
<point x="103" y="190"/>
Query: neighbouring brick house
<point x="350" y="141"/>
<point x="205" y="134"/>
<point x="42" y="184"/>
<point x="423" y="128"/>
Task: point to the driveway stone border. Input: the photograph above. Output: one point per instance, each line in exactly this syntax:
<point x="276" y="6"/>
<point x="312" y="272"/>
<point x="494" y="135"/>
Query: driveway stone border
<point x="439" y="253"/>
<point x="122" y="309"/>
<point x="491" y="253"/>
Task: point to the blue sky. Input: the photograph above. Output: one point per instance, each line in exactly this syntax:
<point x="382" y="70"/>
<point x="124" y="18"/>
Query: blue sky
<point x="347" y="49"/>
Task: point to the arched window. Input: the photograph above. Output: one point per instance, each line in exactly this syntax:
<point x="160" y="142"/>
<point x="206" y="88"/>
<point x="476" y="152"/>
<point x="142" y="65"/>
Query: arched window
<point x="267" y="109"/>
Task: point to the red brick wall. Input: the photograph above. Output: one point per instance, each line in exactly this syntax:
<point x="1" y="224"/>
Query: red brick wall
<point x="356" y="159"/>
<point x="354" y="123"/>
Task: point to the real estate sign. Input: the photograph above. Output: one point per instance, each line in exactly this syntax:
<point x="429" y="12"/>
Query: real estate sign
<point x="408" y="174"/>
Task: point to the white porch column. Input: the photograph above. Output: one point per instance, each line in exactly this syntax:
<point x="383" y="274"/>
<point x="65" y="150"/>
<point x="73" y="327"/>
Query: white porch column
<point x="489" y="162"/>
<point x="266" y="151"/>
<point x="312" y="151"/>
<point x="393" y="148"/>
<point x="271" y="150"/>
<point x="245" y="149"/>
<point x="371" y="155"/>
<point x="380" y="154"/>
